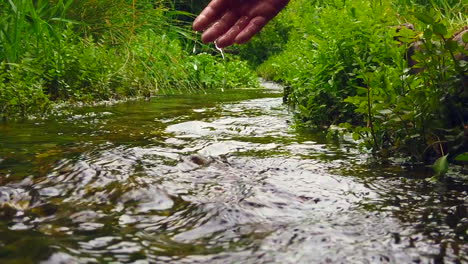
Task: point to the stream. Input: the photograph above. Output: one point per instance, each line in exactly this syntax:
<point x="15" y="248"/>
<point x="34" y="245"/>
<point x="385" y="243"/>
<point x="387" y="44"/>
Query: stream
<point x="213" y="178"/>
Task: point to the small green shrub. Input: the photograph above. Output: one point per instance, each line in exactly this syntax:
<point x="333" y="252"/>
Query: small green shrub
<point x="324" y="61"/>
<point x="348" y="65"/>
<point x="21" y="91"/>
<point x="211" y="73"/>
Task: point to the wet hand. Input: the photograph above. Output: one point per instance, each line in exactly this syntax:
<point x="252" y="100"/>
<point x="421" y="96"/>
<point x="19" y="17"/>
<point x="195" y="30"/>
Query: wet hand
<point x="235" y="21"/>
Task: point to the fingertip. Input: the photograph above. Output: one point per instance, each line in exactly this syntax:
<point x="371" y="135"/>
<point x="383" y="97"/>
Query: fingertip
<point x="229" y="37"/>
<point x="196" y="23"/>
<point x="199" y="24"/>
<point x="196" y="26"/>
<point x="204" y="19"/>
<point x="224" y="42"/>
<point x="206" y="39"/>
<point x="209" y="36"/>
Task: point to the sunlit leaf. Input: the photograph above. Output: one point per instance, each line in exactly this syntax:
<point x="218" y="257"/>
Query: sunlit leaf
<point x="465" y="37"/>
<point x="385" y="111"/>
<point x="424" y="18"/>
<point x="440" y="29"/>
<point x="356" y="136"/>
<point x="440" y="166"/>
<point x="428" y="34"/>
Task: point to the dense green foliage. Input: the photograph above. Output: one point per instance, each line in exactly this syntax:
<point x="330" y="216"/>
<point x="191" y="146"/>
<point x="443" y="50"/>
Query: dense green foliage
<point x="353" y="66"/>
<point x="98" y="50"/>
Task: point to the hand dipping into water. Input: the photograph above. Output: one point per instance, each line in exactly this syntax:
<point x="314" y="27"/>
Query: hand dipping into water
<point x="235" y="21"/>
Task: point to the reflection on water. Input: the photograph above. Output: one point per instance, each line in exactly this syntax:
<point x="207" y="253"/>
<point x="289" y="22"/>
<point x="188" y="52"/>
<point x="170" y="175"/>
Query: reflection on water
<point x="210" y="179"/>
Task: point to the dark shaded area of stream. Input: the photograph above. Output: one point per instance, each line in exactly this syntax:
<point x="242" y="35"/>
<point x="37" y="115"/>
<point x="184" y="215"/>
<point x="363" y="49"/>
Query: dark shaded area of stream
<point x="215" y="178"/>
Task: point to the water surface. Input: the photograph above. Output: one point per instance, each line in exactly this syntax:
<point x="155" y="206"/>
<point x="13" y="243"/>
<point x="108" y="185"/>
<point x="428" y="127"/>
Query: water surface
<point x="213" y="178"/>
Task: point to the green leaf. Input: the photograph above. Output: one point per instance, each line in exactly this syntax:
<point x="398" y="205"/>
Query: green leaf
<point x="385" y="111"/>
<point x="465" y="37"/>
<point x="427" y="34"/>
<point x="345" y="125"/>
<point x="440" y="29"/>
<point x="462" y="157"/>
<point x="440" y="166"/>
<point x="356" y="136"/>
<point x="424" y="18"/>
<point x="451" y="45"/>
<point x="13" y="6"/>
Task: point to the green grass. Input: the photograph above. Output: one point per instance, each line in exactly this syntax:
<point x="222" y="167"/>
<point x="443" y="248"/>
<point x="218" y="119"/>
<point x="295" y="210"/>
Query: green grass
<point x="86" y="51"/>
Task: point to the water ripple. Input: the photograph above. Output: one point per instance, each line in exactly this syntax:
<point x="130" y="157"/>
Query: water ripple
<point x="226" y="183"/>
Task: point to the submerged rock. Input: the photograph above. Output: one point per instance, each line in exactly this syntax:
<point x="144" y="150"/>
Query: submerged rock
<point x="200" y="160"/>
<point x="14" y="199"/>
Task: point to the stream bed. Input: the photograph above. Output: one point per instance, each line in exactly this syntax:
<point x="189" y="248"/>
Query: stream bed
<point x="213" y="178"/>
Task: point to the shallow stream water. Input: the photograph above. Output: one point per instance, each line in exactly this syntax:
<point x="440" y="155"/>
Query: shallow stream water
<point x="213" y="178"/>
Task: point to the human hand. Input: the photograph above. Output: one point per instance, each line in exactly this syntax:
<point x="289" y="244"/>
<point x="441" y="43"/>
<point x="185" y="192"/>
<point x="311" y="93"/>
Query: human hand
<point x="235" y="21"/>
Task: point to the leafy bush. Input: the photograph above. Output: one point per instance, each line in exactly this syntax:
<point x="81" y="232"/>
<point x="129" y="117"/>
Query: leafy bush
<point x="210" y="73"/>
<point x="324" y="60"/>
<point x="269" y="42"/>
<point x="20" y="90"/>
<point x="400" y="90"/>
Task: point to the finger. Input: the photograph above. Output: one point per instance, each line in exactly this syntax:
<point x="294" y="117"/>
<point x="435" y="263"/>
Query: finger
<point x="251" y="29"/>
<point x="210" y="14"/>
<point x="220" y="27"/>
<point x="206" y="18"/>
<point x="265" y="10"/>
<point x="229" y="37"/>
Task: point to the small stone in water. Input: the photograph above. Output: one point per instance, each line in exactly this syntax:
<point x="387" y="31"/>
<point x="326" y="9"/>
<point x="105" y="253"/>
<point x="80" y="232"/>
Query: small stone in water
<point x="200" y="160"/>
